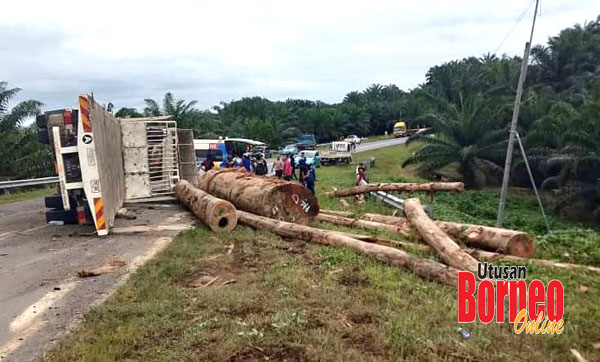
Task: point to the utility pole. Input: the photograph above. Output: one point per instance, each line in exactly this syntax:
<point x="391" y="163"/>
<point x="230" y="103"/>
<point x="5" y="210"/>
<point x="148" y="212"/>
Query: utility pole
<point x="513" y="124"/>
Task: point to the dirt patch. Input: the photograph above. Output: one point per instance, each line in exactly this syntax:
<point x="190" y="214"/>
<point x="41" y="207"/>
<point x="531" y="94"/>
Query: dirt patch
<point x="362" y="318"/>
<point x="208" y="277"/>
<point x="365" y="341"/>
<point x="282" y="352"/>
<point x="354" y="278"/>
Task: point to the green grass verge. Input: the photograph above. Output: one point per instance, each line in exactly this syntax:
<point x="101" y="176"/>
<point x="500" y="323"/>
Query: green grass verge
<point x="16" y="196"/>
<point x="290" y="300"/>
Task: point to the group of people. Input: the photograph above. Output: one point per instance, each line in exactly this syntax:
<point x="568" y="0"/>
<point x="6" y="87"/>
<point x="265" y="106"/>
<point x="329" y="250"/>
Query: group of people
<point x="282" y="168"/>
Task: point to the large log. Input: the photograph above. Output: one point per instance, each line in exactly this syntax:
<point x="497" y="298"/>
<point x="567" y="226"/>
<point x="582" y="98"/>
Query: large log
<point x="499" y="240"/>
<point x="401" y="187"/>
<point x="266" y="196"/>
<point x="424" y="267"/>
<point x="448" y="250"/>
<point x="344" y="221"/>
<point x="217" y="214"/>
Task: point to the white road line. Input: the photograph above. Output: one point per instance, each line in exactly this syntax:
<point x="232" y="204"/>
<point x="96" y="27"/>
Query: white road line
<point x="21" y="232"/>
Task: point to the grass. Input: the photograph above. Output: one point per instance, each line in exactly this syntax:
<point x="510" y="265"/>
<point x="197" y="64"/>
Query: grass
<point x="25" y="195"/>
<point x="290" y="300"/>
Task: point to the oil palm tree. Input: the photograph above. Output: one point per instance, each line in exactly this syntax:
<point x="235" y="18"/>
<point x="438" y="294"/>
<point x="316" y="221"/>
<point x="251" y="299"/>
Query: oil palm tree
<point x="466" y="138"/>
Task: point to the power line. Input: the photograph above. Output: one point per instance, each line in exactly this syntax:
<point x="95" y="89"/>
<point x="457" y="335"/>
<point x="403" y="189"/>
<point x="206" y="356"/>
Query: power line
<point x="517" y="22"/>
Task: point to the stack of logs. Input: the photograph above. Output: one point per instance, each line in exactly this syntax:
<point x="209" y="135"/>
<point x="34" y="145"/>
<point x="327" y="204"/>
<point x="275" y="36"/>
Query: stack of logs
<point x="285" y="208"/>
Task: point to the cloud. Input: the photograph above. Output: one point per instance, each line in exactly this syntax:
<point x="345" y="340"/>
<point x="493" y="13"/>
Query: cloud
<point x="125" y="51"/>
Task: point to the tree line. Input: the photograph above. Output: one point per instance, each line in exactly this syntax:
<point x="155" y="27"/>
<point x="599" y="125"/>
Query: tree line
<point x="468" y="103"/>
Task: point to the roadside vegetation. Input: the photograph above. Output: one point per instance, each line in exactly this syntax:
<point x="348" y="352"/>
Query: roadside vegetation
<point x="16" y="196"/>
<point x="288" y="300"/>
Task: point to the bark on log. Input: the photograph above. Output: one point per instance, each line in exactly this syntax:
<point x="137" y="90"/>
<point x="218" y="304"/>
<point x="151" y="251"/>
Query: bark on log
<point x="217" y="214"/>
<point x="424" y="267"/>
<point x="499" y="240"/>
<point x="344" y="221"/>
<point x="260" y="195"/>
<point x="337" y="213"/>
<point x="402" y="187"/>
<point x="437" y="239"/>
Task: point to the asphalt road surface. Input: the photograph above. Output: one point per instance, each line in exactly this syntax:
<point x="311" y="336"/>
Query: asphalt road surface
<point x="41" y="296"/>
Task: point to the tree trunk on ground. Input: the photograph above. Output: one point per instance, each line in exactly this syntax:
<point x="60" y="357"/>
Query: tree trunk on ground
<point x="338" y="213"/>
<point x="401" y="187"/>
<point x="477" y="254"/>
<point x="217" y="214"/>
<point x="504" y="241"/>
<point x="490" y="256"/>
<point x="437" y="239"/>
<point x="426" y="268"/>
<point x="260" y="195"/>
<point x="344" y="221"/>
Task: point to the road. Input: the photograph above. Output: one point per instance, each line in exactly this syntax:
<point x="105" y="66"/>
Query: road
<point x="42" y="297"/>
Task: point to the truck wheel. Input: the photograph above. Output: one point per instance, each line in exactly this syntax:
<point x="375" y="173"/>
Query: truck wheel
<point x="67" y="217"/>
<point x="55" y="202"/>
<point x="43" y="136"/>
<point x="41" y="121"/>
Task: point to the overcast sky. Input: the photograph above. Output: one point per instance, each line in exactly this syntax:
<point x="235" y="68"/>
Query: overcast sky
<point x="209" y="51"/>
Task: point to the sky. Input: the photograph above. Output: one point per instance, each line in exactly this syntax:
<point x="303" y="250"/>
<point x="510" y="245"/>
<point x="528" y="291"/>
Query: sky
<point x="127" y="50"/>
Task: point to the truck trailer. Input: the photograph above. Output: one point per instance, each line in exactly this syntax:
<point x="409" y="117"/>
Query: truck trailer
<point x="103" y="161"/>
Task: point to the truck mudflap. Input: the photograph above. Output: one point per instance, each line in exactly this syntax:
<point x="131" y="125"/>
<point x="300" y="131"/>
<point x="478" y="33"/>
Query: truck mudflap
<point x="99" y="146"/>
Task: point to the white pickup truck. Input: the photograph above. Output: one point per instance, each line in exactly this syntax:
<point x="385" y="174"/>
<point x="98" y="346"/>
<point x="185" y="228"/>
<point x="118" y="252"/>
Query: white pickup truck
<point x="339" y="152"/>
<point x="354" y="139"/>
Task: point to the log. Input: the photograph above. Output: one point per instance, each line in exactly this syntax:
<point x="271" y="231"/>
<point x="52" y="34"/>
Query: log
<point x="426" y="268"/>
<point x="337" y="213"/>
<point x="219" y="215"/>
<point x="491" y="256"/>
<point x="401" y="187"/>
<point x="478" y="254"/>
<point x="448" y="250"/>
<point x="499" y="240"/>
<point x="344" y="221"/>
<point x="266" y="196"/>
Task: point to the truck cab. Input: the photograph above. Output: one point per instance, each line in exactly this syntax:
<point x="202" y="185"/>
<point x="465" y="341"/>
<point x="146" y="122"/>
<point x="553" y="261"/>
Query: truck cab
<point x="399" y="129"/>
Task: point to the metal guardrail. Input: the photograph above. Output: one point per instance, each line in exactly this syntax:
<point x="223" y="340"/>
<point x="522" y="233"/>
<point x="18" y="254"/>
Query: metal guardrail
<point x="30" y="182"/>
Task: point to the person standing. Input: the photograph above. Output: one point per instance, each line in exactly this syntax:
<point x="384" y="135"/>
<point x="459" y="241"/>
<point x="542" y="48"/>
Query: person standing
<point x="360" y="177"/>
<point x="293" y="164"/>
<point x="304" y="171"/>
<point x="246" y="162"/>
<point x="312" y="177"/>
<point x="228" y="162"/>
<point x="278" y="167"/>
<point x="261" y="168"/>
<point x="208" y="164"/>
<point x="287" y="168"/>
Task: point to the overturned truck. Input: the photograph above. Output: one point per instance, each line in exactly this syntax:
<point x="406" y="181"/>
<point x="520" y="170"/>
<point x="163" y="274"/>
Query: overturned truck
<point x="103" y="161"/>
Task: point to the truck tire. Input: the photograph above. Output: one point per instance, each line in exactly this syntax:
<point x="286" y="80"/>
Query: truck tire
<point x="55" y="202"/>
<point x="41" y="121"/>
<point x="43" y="136"/>
<point x="67" y="217"/>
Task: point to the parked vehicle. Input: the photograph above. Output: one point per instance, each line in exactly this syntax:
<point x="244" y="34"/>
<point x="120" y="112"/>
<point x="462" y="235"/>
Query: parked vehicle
<point x="312" y="158"/>
<point x="289" y="150"/>
<point x="264" y="151"/>
<point x="339" y="152"/>
<point x="214" y="148"/>
<point x="354" y="139"/>
<point x="306" y="142"/>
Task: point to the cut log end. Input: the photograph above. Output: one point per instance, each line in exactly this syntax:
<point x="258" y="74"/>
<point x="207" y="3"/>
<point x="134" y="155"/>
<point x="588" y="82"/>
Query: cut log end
<point x="221" y="217"/>
<point x="521" y="245"/>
